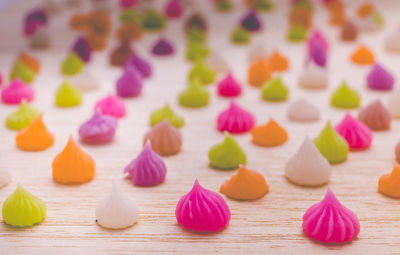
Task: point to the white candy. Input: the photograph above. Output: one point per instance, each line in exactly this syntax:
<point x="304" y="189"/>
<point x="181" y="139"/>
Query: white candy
<point x="308" y="167"/>
<point x="85" y="81"/>
<point x="215" y="61"/>
<point x="313" y="77"/>
<point x="392" y="43"/>
<point x="257" y="52"/>
<point x="116" y="211"/>
<point x="5" y="178"/>
<point x="394" y="104"/>
<point x="302" y="111"/>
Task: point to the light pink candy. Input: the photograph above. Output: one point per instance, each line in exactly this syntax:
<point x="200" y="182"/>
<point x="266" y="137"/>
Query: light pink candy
<point x="330" y="222"/>
<point x="235" y="119"/>
<point x="202" y="210"/>
<point x="16" y="91"/>
<point x="356" y="133"/>
<point x="229" y="87"/>
<point x="317" y="37"/>
<point x="111" y="105"/>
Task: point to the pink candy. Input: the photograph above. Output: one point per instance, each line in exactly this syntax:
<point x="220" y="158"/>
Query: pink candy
<point x="330" y="222"/>
<point x="356" y="133"/>
<point x="202" y="210"/>
<point x="147" y="169"/>
<point x="130" y="83"/>
<point x="111" y="105"/>
<point x="235" y="119"/>
<point x="173" y="9"/>
<point x="317" y="37"/>
<point x="379" y="79"/>
<point x="98" y="129"/>
<point x="229" y="87"/>
<point x="16" y="91"/>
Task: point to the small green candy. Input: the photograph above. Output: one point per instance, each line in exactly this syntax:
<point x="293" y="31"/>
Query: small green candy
<point x="240" y="36"/>
<point x="197" y="51"/>
<point x="194" y="96"/>
<point x="129" y="15"/>
<point x="345" y="97"/>
<point x="22" y="117"/>
<point x="152" y="20"/>
<point x="72" y="65"/>
<point x="23" y="72"/>
<point x="166" y="113"/>
<point x="68" y="95"/>
<point x="274" y="90"/>
<point x="203" y="73"/>
<point x="223" y="5"/>
<point x="378" y="18"/>
<point x="297" y="33"/>
<point x="263" y="5"/>
<point x="196" y="35"/>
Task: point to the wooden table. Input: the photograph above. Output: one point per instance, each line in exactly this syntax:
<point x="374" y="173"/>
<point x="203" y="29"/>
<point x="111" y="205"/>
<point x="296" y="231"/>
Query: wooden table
<point x="270" y="225"/>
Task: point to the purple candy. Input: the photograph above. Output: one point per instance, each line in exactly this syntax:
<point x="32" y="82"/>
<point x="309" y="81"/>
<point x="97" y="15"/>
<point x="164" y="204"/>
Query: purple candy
<point x="140" y="64"/>
<point x="251" y="22"/>
<point x="317" y="37"/>
<point x="130" y="83"/>
<point x="98" y="129"/>
<point x="33" y="20"/>
<point x="318" y="54"/>
<point x="147" y="169"/>
<point x="82" y="49"/>
<point x="162" y="48"/>
<point x="379" y="79"/>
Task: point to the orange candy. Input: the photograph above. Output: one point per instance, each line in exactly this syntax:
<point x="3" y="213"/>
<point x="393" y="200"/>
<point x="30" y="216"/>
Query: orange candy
<point x="363" y="56"/>
<point x="129" y="31"/>
<point x="277" y="62"/>
<point x="29" y="62"/>
<point x="246" y="184"/>
<point x="270" y="134"/>
<point x="121" y="54"/>
<point x="365" y="10"/>
<point x="35" y="137"/>
<point x="389" y="184"/>
<point x="72" y="165"/>
<point x="259" y="72"/>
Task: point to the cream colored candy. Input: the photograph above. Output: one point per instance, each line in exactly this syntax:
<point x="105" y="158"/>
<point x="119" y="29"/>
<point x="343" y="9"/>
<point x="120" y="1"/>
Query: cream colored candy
<point x="314" y="77"/>
<point x="85" y="80"/>
<point x="394" y="104"/>
<point x="302" y="111"/>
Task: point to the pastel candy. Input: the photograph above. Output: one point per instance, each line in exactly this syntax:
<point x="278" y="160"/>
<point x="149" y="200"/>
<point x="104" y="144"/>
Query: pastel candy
<point x="240" y="36"/>
<point x="229" y="87"/>
<point x="317" y="54"/>
<point x="111" y="105"/>
<point x="226" y="155"/>
<point x="82" y="49"/>
<point x="260" y="5"/>
<point x="99" y="129"/>
<point x="85" y="81"/>
<point x="313" y="76"/>
<point x="17" y="91"/>
<point x="235" y="119"/>
<point x="129" y="31"/>
<point x="121" y="54"/>
<point x="297" y="33"/>
<point x="315" y="39"/>
<point x="277" y="62"/>
<point x="130" y="83"/>
<point x="197" y="51"/>
<point x="274" y="90"/>
<point x="363" y="56"/>
<point x="166" y="112"/>
<point x="357" y="134"/>
<point x="165" y="139"/>
<point x="173" y="9"/>
<point x="22" y="117"/>
<point x="375" y="116"/>
<point x="389" y="183"/>
<point x="143" y="66"/>
<point x="29" y="61"/>
<point x="259" y="72"/>
<point x="153" y="20"/>
<point x="194" y="96"/>
<point x="41" y="39"/>
<point x="35" y="137"/>
<point x="22" y="72"/>
<point x="216" y="62"/>
<point x="33" y="20"/>
<point x="162" y="48"/>
<point x="302" y="111"/>
<point x="72" y="65"/>
<point x="345" y="97"/>
<point x="251" y="22"/>
<point x="223" y="5"/>
<point x="392" y="42"/>
<point x="196" y="21"/>
<point x="203" y="73"/>
<point x="269" y="135"/>
<point x="379" y="78"/>
<point x="349" y="31"/>
<point x="68" y="95"/>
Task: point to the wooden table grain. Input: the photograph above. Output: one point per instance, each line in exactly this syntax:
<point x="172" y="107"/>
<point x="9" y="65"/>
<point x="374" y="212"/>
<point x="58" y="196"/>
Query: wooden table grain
<point x="271" y="225"/>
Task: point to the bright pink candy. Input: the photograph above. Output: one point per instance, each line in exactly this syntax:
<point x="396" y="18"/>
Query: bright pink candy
<point x="16" y="91"/>
<point x="130" y="83"/>
<point x="317" y="37"/>
<point x="356" y="133"/>
<point x="229" y="87"/>
<point x="202" y="210"/>
<point x="379" y="79"/>
<point x="147" y="169"/>
<point x="111" y="105"/>
<point x="98" y="129"/>
<point x="235" y="119"/>
<point x="330" y="222"/>
<point x="173" y="9"/>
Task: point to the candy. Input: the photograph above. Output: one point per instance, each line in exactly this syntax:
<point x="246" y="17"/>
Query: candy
<point x="111" y="105"/>
<point x="129" y="31"/>
<point x="217" y="62"/>
<point x="363" y="56"/>
<point x="116" y="211"/>
<point x="202" y="210"/>
<point x="29" y="62"/>
<point x="226" y="155"/>
<point x="35" y="137"/>
<point x="85" y="81"/>
<point x="302" y="111"/>
<point x="72" y="65"/>
<point x="259" y="72"/>
<point x="251" y="22"/>
<point x="313" y="77"/>
<point x="130" y="83"/>
<point x="240" y="36"/>
<point x="152" y="20"/>
<point x="223" y="5"/>
<point x="22" y="209"/>
<point x="203" y="73"/>
<point x="317" y="39"/>
<point x="317" y="54"/>
<point x="246" y="184"/>
<point x="357" y="134"/>
<point x="375" y="116"/>
<point x="389" y="183"/>
<point x="196" y="21"/>
<point x="166" y="113"/>
<point x="67" y="95"/>
<point x="392" y="42"/>
<point x="17" y="91"/>
<point x="147" y="169"/>
<point x="274" y="90"/>
<point x="99" y="129"/>
<point x="143" y="66"/>
<point x="173" y="9"/>
<point x="197" y="51"/>
<point x="235" y="119"/>
<point x="332" y="145"/>
<point x="121" y="54"/>
<point x="82" y="49"/>
<point x="33" y="20"/>
<point x="269" y="135"/>
<point x="128" y="3"/>
<point x="330" y="222"/>
<point x="297" y="33"/>
<point x="165" y="139"/>
<point x="345" y="97"/>
<point x="194" y="96"/>
<point x="163" y="47"/>
<point x="22" y="117"/>
<point x="259" y="51"/>
<point x="196" y="35"/>
<point x="229" y="87"/>
<point x="260" y="5"/>
<point x="349" y="31"/>
<point x="22" y="72"/>
<point x="5" y="178"/>
<point x="379" y="78"/>
<point x="277" y="62"/>
<point x="41" y="39"/>
<point x="72" y="165"/>
<point x="394" y="104"/>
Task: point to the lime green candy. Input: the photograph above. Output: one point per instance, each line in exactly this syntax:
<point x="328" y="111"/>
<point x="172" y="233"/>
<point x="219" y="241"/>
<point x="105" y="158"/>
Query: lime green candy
<point x="297" y="33"/>
<point x="263" y="5"/>
<point x="345" y="97"/>
<point x="72" y="65"/>
<point x="378" y="19"/>
<point x="274" y="90"/>
<point x="129" y="15"/>
<point x="201" y="71"/>
<point x="22" y="209"/>
<point x="22" y="117"/>
<point x="223" y="5"/>
<point x="226" y="155"/>
<point x="68" y="95"/>
<point x="197" y="51"/>
<point x="240" y="36"/>
<point x="196" y="35"/>
<point x="152" y="20"/>
<point x="23" y="72"/>
<point x="332" y="145"/>
<point x="166" y="113"/>
<point x="194" y="96"/>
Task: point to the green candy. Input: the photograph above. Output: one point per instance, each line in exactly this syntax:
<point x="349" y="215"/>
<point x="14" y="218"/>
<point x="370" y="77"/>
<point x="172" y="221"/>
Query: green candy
<point x="22" y="117"/>
<point x="197" y="51"/>
<point x="274" y="90"/>
<point x="297" y="33"/>
<point x="23" y="72"/>
<point x="129" y="15"/>
<point x="240" y="36"/>
<point x="223" y="5"/>
<point x="166" y="113"/>
<point x="194" y="96"/>
<point x="22" y="209"/>
<point x="378" y="19"/>
<point x="196" y="35"/>
<point x="68" y="95"/>
<point x="263" y="5"/>
<point x="203" y="73"/>
<point x="152" y="20"/>
<point x="226" y="155"/>
<point x="332" y="145"/>
<point x="72" y="65"/>
<point x="345" y="97"/>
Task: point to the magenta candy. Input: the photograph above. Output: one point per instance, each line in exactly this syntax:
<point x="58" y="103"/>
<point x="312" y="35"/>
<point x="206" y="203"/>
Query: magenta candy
<point x="235" y="120"/>
<point x="356" y="133"/>
<point x="147" y="169"/>
<point x="127" y="3"/>
<point x="82" y="49"/>
<point x="33" y="20"/>
<point x="229" y="87"/>
<point x="111" y="105"/>
<point x="16" y="92"/>
<point x="251" y="22"/>
<point x="98" y="129"/>
<point x="330" y="222"/>
<point x="140" y="64"/>
<point x="162" y="48"/>
<point x="173" y="9"/>
<point x="317" y="37"/>
<point x="130" y="83"/>
<point x="318" y="54"/>
<point x="202" y="210"/>
<point x="379" y="78"/>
